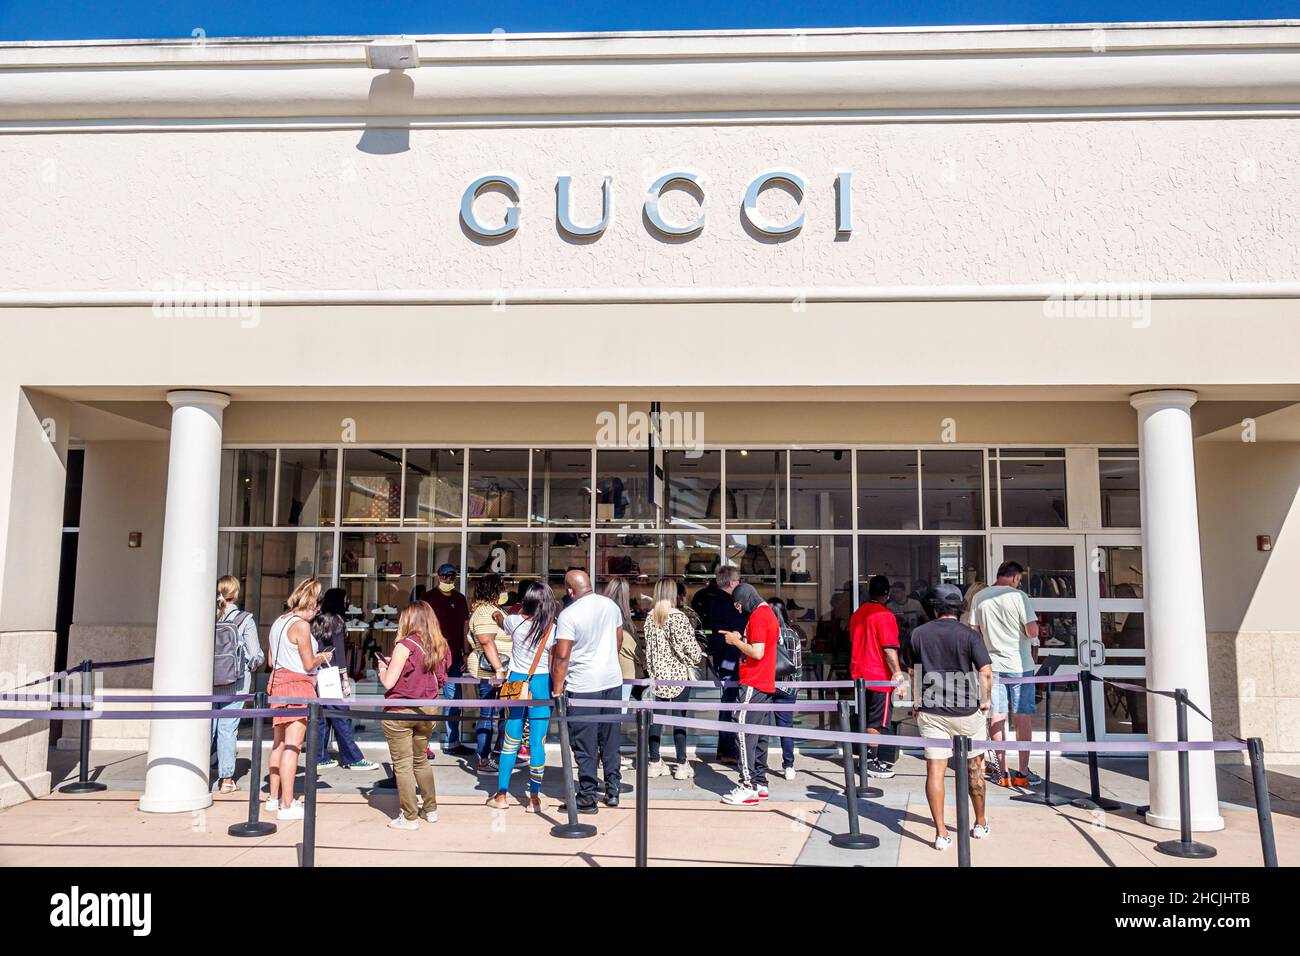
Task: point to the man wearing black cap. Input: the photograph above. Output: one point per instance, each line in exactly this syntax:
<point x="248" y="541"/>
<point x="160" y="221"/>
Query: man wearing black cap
<point x="952" y="684"/>
<point x="452" y="611"/>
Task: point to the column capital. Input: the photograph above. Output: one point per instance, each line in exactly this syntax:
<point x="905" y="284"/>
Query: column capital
<point x="190" y="396"/>
<point x="1171" y="397"/>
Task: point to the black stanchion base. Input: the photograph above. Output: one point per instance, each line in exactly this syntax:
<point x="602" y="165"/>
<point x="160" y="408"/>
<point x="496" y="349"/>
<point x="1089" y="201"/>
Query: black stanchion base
<point x="1101" y="803"/>
<point x="855" y="841"/>
<point x="573" y="831"/>
<point x="1143" y="810"/>
<point x="1188" y="851"/>
<point x="246" y="829"/>
<point x="1043" y="799"/>
<point x="870" y="793"/>
<point x="89" y="786"/>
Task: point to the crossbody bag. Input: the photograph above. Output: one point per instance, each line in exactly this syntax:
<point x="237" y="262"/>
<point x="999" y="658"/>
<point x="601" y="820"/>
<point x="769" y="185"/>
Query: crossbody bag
<point x="522" y="689"/>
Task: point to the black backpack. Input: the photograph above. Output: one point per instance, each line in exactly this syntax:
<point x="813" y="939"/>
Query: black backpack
<point x="228" y="655"/>
<point x="789" y="653"/>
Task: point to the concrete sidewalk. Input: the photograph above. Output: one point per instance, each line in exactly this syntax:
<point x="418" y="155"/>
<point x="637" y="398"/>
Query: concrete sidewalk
<point x="688" y="824"/>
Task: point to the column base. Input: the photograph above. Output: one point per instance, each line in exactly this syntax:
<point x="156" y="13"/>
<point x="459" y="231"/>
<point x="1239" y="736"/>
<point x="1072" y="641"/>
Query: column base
<point x="183" y="805"/>
<point x="1199" y="824"/>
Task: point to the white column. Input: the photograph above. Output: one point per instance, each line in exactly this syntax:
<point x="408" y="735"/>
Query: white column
<point x="176" y="776"/>
<point x="1175" y="615"/>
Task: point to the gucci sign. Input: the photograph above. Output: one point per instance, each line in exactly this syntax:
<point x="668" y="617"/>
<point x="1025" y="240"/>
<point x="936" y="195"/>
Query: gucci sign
<point x="690" y="182"/>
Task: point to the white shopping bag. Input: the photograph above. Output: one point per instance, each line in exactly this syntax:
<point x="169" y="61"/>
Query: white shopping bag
<point x="329" y="683"/>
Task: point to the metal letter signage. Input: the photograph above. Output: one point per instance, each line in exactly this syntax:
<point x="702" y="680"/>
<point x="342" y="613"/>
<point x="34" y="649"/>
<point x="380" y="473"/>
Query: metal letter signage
<point x="751" y="204"/>
<point x="656" y="190"/>
<point x="474" y="190"/>
<point x="562" y="210"/>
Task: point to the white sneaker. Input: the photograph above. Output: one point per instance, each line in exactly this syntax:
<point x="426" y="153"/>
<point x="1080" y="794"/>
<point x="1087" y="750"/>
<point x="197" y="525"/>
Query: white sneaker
<point x="762" y="793"/>
<point x="292" y="812"/>
<point x="942" y="843"/>
<point x="272" y="804"/>
<point x="431" y="816"/>
<point x="353" y="609"/>
<point x="788" y="773"/>
<point x="657" y="768"/>
<point x="380" y="624"/>
<point x="979" y="831"/>
<point x="683" y="771"/>
<point x="741" y="797"/>
<point x="388" y="610"/>
<point x="400" y="822"/>
<point x="624" y="760"/>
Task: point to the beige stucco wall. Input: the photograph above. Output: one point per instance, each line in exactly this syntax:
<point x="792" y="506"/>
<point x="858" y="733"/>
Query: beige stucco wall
<point x="1245" y="490"/>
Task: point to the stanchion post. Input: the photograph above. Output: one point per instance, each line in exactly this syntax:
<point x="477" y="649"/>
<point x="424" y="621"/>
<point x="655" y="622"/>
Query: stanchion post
<point x="309" y="790"/>
<point x="1184" y="846"/>
<point x="1095" y="799"/>
<point x="254" y="827"/>
<point x="1263" y="806"/>
<point x="961" y="748"/>
<point x="855" y="839"/>
<point x="572" y="829"/>
<point x="865" y="789"/>
<point x="83" y="783"/>
<point x="1047" y="799"/>
<point x="642" y="785"/>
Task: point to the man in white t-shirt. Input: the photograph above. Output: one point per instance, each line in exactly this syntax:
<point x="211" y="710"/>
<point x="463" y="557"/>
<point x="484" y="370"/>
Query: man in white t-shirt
<point x="587" y="637"/>
<point x="1009" y="625"/>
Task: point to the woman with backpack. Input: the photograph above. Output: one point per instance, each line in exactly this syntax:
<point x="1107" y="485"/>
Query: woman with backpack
<point x="330" y="629"/>
<point x="786" y="669"/>
<point x="416" y="671"/>
<point x="671" y="654"/>
<point x="237" y="652"/>
<point x="295" y="658"/>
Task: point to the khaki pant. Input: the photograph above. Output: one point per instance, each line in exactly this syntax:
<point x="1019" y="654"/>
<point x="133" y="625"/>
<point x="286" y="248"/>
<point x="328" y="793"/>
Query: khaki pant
<point x="407" y="742"/>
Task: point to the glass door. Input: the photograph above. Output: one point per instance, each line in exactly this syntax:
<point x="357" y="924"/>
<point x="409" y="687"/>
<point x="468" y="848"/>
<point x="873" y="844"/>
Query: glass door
<point x="1117" y="633"/>
<point x="1056" y="581"/>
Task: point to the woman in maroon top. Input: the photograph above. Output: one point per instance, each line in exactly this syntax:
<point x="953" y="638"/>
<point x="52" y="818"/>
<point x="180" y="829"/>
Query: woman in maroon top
<point x="416" y="671"/>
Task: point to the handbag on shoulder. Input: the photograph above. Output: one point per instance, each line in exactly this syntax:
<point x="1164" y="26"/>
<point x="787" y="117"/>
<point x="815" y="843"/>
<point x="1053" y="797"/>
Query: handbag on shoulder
<point x="522" y="689"/>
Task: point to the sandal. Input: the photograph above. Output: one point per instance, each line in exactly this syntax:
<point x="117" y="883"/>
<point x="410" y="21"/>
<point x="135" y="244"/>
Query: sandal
<point x="499" y="804"/>
<point x="228" y="786"/>
<point x="534" y="804"/>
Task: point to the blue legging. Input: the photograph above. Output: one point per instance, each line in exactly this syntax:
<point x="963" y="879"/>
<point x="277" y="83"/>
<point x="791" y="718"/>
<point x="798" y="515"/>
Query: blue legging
<point x="539" y="719"/>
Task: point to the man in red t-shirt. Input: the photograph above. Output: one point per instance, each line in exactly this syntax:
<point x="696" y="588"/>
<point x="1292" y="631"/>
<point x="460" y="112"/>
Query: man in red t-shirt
<point x="873" y="630"/>
<point x="758" y="654"/>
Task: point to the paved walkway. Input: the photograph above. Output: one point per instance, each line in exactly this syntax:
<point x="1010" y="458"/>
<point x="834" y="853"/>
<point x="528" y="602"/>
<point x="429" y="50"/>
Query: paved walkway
<point x="688" y="826"/>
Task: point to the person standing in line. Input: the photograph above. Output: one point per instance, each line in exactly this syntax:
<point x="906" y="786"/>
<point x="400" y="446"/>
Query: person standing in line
<point x="631" y="655"/>
<point x="874" y="634"/>
<point x="1003" y="616"/>
<point x="723" y="617"/>
<point x="971" y="592"/>
<point x="417" y="667"/>
<point x="532" y="635"/>
<point x="245" y="657"/>
<point x="452" y="611"/>
<point x="783" y="695"/>
<point x="952" y="681"/>
<point x="672" y="653"/>
<point x="295" y="658"/>
<point x="330" y="629"/>
<point x="489" y="663"/>
<point x="758" y="650"/>
<point x="586" y="667"/>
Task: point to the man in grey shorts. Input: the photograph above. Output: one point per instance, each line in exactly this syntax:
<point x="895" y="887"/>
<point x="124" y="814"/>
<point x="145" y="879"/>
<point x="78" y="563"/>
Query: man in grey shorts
<point x="952" y="683"/>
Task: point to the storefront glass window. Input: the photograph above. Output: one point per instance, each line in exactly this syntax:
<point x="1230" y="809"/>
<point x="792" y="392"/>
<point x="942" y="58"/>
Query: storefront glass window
<point x="372" y="487"/>
<point x="269" y="564"/>
<point x="1031" y="488"/>
<point x="561" y="487"/>
<point x="498" y="486"/>
<point x="1121" y="503"/>
<point x="887" y="490"/>
<point x="622" y="489"/>
<point x="693" y="489"/>
<point x="815" y="578"/>
<point x="918" y="562"/>
<point x="755" y="488"/>
<point x="821" y="494"/>
<point x="434" y="479"/>
<point x="952" y="490"/>
<point x="247" y="487"/>
<point x="308" y="479"/>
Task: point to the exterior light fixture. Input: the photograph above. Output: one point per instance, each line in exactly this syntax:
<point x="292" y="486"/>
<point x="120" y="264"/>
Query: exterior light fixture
<point x="387" y="55"/>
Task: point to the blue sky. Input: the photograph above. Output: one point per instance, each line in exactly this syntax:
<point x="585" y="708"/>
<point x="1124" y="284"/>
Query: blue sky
<point x="108" y="19"/>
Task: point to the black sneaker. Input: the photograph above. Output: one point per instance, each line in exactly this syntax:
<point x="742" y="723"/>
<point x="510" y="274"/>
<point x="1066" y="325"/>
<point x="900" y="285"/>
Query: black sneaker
<point x="879" y="769"/>
<point x="588" y="808"/>
<point x="611" y="799"/>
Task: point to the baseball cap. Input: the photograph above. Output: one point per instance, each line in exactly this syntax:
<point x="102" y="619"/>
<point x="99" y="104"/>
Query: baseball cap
<point x="948" y="596"/>
<point x="447" y="569"/>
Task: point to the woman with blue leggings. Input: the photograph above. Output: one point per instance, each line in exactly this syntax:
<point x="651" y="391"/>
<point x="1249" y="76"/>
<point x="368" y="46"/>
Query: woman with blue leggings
<point x="532" y="634"/>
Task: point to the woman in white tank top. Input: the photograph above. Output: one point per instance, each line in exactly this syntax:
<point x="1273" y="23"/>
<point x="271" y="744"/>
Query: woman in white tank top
<point x="294" y="658"/>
